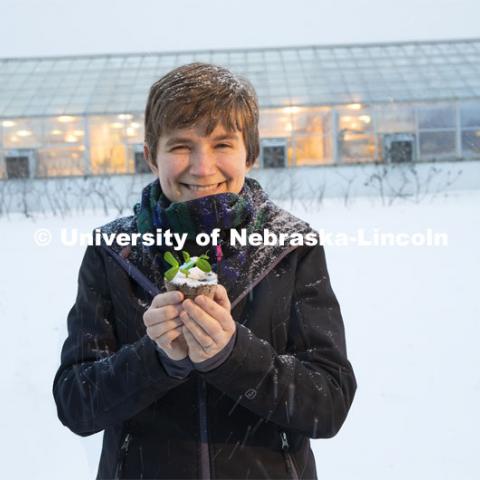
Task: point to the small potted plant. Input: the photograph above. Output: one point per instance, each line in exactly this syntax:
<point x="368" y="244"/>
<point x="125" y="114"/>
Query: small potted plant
<point x="193" y="277"/>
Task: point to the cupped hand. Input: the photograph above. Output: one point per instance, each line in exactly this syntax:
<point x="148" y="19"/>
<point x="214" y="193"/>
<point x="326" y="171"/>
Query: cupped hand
<point x="164" y="325"/>
<point x="207" y="324"/>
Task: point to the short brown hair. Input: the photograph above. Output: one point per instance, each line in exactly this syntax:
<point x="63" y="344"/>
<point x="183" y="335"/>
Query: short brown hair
<point x="202" y="93"/>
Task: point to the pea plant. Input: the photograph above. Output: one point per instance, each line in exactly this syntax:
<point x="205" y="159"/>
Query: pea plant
<point x="201" y="262"/>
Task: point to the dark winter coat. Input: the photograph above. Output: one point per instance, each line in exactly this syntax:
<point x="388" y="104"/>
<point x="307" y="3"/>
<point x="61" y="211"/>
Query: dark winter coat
<point x="287" y="379"/>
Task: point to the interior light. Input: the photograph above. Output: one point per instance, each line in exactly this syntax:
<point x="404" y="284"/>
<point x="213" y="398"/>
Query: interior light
<point x="131" y="132"/>
<point x="125" y="116"/>
<point x="355" y="106"/>
<point x="14" y="139"/>
<point x="291" y="109"/>
<point x="70" y="138"/>
<point x="289" y="126"/>
<point x="365" y="118"/>
<point x="24" y="133"/>
<point x="135" y="125"/>
<point x="79" y="133"/>
<point x="8" y="123"/>
<point x="56" y="132"/>
<point x="116" y="125"/>
<point x="65" y="118"/>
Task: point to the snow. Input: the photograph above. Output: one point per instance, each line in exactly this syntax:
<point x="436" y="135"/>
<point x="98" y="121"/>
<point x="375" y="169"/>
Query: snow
<point x="411" y="319"/>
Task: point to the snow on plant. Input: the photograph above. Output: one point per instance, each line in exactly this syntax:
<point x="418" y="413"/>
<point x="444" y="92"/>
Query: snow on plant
<point x="189" y="262"/>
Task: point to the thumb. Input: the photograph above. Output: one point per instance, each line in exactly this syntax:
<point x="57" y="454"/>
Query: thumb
<point x="221" y="297"/>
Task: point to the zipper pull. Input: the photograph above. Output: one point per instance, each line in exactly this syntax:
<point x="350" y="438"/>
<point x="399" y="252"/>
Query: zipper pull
<point x="285" y="445"/>
<point x="126" y="441"/>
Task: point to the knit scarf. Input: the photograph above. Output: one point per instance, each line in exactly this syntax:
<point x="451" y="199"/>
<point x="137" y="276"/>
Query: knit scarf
<point x="239" y="267"/>
<point x="202" y="215"/>
<point x="224" y="211"/>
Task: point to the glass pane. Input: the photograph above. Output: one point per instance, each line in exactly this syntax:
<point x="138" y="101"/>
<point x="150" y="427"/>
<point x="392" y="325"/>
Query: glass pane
<point x="309" y="120"/>
<point x="63" y="130"/>
<point x="355" y="135"/>
<point x="471" y="143"/>
<point x="275" y="123"/>
<point x="437" y="143"/>
<point x="109" y="137"/>
<point x="436" y="117"/>
<point x="395" y="118"/>
<point x="470" y="115"/>
<point x="60" y="161"/>
<point x="313" y="150"/>
<point x="21" y="133"/>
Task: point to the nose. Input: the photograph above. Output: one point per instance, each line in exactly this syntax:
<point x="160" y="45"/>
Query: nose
<point x="202" y="163"/>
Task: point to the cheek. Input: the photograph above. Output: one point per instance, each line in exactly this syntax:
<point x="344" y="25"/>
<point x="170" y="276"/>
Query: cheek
<point x="235" y="168"/>
<point x="169" y="171"/>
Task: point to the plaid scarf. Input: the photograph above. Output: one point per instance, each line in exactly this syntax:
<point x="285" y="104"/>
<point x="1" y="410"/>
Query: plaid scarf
<point x="239" y="268"/>
<point x="224" y="211"/>
<point x="202" y="215"/>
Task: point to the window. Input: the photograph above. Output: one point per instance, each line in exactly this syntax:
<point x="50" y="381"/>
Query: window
<point x="436" y="131"/>
<point x="437" y="144"/>
<point x="436" y="117"/>
<point x="470" y="124"/>
<point x="356" y="141"/>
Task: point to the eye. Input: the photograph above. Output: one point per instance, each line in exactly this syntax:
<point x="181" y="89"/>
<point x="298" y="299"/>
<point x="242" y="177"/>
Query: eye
<point x="179" y="148"/>
<point x="222" y="145"/>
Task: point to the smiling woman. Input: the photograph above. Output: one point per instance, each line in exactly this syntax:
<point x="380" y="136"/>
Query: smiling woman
<point x="178" y="386"/>
<point x="191" y="164"/>
<point x="201" y="135"/>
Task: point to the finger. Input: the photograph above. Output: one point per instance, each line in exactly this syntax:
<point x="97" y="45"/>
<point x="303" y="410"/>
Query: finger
<point x="190" y="339"/>
<point x="167" y="298"/>
<point x="202" y="338"/>
<point x="165" y="340"/>
<point x="216" y="311"/>
<point x="211" y="325"/>
<point x="221" y="297"/>
<point x="154" y="316"/>
<point x="156" y="331"/>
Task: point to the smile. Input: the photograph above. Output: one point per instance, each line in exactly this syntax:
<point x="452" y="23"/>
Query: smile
<point x="203" y="188"/>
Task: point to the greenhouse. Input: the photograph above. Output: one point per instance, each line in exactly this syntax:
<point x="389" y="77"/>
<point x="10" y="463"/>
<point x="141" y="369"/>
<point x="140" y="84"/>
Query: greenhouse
<point x="320" y="105"/>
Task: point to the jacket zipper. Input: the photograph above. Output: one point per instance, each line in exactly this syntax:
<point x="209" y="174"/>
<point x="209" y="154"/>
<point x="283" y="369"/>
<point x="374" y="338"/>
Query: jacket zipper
<point x="292" y="470"/>
<point x="123" y="454"/>
<point x="204" y="453"/>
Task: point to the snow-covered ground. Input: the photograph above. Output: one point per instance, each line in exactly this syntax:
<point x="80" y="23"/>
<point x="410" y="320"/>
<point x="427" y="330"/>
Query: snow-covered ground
<point x="412" y="323"/>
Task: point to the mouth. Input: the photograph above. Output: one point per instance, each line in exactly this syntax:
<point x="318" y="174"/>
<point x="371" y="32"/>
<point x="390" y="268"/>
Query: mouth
<point x="211" y="188"/>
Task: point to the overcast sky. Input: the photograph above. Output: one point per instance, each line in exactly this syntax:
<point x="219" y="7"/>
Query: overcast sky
<point x="64" y="27"/>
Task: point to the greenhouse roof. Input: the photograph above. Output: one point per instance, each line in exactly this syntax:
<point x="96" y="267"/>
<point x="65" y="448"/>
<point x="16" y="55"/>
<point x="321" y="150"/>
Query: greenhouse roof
<point x="291" y="76"/>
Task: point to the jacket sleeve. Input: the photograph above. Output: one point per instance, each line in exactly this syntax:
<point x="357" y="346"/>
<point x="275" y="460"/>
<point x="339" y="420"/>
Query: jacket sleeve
<point x="99" y="384"/>
<point x="311" y="388"/>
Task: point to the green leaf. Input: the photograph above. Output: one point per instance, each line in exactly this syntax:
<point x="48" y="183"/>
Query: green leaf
<point x="170" y="259"/>
<point x="203" y="265"/>
<point x="205" y="256"/>
<point x="186" y="256"/>
<point x="170" y="273"/>
<point x="185" y="271"/>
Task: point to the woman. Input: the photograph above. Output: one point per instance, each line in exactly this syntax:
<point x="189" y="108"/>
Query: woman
<point x="232" y="387"/>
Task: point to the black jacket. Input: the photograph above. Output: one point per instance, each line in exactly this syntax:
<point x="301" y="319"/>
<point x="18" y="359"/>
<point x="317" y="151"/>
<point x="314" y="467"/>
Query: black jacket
<point x="287" y="379"/>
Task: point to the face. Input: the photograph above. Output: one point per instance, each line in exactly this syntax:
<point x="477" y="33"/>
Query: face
<point x="191" y="165"/>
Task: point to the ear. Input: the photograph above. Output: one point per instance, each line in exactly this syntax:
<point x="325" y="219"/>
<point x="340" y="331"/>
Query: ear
<point x="148" y="158"/>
